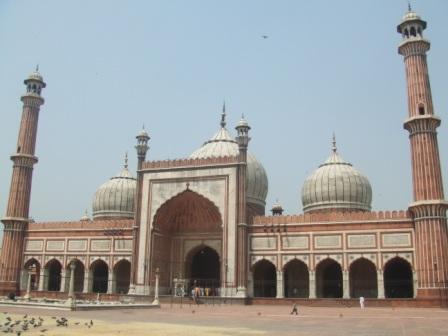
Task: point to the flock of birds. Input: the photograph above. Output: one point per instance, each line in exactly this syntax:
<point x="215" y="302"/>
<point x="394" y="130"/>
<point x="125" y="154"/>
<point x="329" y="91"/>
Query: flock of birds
<point x="27" y="323"/>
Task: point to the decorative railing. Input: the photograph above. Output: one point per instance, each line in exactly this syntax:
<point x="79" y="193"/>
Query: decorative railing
<point x="166" y="164"/>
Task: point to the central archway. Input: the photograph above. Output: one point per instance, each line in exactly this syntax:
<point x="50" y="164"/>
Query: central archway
<point x="183" y="217"/>
<point x="329" y="279"/>
<point x="204" y="267"/>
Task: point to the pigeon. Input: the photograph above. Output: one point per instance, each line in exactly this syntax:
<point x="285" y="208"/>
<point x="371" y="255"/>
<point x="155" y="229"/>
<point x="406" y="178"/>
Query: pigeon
<point x="264" y="36"/>
<point x="43" y="330"/>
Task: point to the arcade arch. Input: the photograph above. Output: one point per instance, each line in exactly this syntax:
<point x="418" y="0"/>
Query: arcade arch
<point x="54" y="268"/>
<point x="265" y="279"/>
<point x="79" y="275"/>
<point x="122" y="274"/>
<point x="363" y="279"/>
<point x="296" y="279"/>
<point x="34" y="277"/>
<point x="398" y="280"/>
<point x="328" y="279"/>
<point x="100" y="276"/>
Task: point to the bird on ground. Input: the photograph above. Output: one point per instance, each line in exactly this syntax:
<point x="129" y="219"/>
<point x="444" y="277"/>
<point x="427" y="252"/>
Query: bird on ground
<point x="43" y="330"/>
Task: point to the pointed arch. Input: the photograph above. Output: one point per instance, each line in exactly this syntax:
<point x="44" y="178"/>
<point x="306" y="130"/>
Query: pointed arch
<point x="122" y="276"/>
<point x="35" y="278"/>
<point x="296" y="279"/>
<point x="329" y="279"/>
<point x="100" y="275"/>
<point x="363" y="278"/>
<point x="398" y="278"/>
<point x="188" y="211"/>
<point x="54" y="269"/>
<point x="265" y="279"/>
<point x="79" y="274"/>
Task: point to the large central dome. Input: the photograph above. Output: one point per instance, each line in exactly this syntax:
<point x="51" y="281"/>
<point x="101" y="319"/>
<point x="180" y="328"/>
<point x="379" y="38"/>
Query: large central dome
<point x="336" y="185"/>
<point x="222" y="144"/>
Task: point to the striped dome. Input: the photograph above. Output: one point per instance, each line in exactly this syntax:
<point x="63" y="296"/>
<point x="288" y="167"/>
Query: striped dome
<point x="222" y="144"/>
<point x="336" y="185"/>
<point x="115" y="198"/>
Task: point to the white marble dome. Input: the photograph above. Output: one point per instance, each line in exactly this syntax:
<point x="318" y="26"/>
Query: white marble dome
<point x="115" y="198"/>
<point x="222" y="144"/>
<point x="336" y="185"/>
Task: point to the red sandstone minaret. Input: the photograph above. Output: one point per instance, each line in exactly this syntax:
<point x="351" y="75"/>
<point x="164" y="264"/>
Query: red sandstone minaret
<point x="16" y="220"/>
<point x="429" y="207"/>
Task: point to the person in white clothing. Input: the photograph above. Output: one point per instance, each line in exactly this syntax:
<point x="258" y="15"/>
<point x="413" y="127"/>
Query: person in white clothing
<point x="361" y="302"/>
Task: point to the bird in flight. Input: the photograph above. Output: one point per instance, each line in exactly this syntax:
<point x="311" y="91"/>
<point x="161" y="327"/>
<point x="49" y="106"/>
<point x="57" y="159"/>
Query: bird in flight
<point x="264" y="36"/>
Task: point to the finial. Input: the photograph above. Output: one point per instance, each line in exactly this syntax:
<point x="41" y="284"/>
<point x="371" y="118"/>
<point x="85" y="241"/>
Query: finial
<point x="223" y="115"/>
<point x="37" y="67"/>
<point x="334" y="149"/>
<point x="409" y="6"/>
<point x="126" y="160"/>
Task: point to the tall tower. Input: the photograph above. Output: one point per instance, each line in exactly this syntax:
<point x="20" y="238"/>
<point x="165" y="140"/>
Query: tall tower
<point x="243" y="141"/>
<point x="429" y="207"/>
<point x="16" y="220"/>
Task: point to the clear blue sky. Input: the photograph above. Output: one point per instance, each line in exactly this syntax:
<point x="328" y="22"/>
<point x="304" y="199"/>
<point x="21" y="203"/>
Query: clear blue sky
<point x="111" y="66"/>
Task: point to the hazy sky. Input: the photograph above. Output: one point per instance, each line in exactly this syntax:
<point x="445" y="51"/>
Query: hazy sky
<point x="111" y="66"/>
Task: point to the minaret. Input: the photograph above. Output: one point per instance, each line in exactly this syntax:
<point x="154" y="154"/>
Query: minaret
<point x="142" y="148"/>
<point x="243" y="141"/>
<point x="16" y="220"/>
<point x="429" y="207"/>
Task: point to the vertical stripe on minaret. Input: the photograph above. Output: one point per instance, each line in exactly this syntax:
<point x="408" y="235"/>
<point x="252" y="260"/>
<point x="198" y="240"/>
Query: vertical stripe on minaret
<point x="17" y="212"/>
<point x="429" y="207"/>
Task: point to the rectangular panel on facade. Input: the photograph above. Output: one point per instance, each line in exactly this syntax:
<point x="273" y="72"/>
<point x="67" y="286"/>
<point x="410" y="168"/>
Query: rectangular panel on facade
<point x="263" y="243"/>
<point x="55" y="245"/>
<point x="361" y="240"/>
<point x="396" y="239"/>
<point x="34" y="245"/>
<point x="323" y="242"/>
<point x="123" y="245"/>
<point x="295" y="242"/>
<point x="100" y="245"/>
<point x="77" y="245"/>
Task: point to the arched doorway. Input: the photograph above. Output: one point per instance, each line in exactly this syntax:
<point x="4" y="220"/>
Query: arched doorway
<point x="185" y="215"/>
<point x="122" y="276"/>
<point x="363" y="279"/>
<point x="265" y="279"/>
<point x="204" y="267"/>
<point x="100" y="273"/>
<point x="296" y="279"/>
<point x="398" y="279"/>
<point x="54" y="275"/>
<point x="328" y="279"/>
<point x="79" y="276"/>
<point x="35" y="276"/>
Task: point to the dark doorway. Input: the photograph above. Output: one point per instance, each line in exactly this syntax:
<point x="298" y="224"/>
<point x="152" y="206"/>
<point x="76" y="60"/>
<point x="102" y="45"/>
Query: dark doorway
<point x="205" y="270"/>
<point x="122" y="274"/>
<point x="329" y="279"/>
<point x="54" y="275"/>
<point x="363" y="279"/>
<point x="100" y="276"/>
<point x="398" y="279"/>
<point x="265" y="279"/>
<point x="296" y="279"/>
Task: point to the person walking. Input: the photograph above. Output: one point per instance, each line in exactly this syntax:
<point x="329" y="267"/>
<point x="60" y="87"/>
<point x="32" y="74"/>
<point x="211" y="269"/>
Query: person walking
<point x="294" y="309"/>
<point x="361" y="302"/>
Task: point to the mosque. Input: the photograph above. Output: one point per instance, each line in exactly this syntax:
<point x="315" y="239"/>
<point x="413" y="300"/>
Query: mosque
<point x="200" y="221"/>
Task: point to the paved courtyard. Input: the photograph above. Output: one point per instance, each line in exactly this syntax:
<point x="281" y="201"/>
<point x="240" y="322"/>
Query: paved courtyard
<point x="235" y="320"/>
